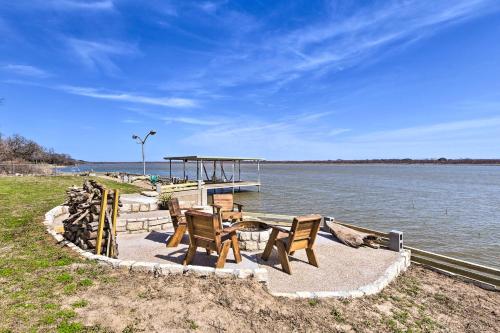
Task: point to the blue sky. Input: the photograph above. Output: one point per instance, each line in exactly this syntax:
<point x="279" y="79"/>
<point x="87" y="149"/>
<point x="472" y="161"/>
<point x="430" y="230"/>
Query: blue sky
<point x="273" y="79"/>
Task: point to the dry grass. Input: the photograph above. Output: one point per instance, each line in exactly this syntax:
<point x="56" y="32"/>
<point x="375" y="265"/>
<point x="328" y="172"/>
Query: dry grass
<point x="419" y="301"/>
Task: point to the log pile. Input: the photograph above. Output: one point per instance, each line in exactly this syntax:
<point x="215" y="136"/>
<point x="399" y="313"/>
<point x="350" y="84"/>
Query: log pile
<point x="81" y="227"/>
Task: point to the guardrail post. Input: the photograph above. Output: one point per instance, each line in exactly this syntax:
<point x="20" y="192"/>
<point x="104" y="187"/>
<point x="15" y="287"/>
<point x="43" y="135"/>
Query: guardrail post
<point x="396" y="240"/>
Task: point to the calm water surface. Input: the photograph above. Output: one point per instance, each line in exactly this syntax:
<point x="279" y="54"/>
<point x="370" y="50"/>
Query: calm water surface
<point x="448" y="209"/>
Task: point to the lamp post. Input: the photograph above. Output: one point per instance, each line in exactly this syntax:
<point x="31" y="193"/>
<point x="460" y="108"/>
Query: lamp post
<point x="142" y="142"/>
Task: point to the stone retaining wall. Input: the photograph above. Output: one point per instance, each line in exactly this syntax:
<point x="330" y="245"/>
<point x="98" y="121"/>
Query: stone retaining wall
<point x="137" y="225"/>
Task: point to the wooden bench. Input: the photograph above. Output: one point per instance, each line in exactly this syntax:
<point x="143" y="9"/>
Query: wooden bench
<point x="302" y="235"/>
<point x="178" y="221"/>
<point x="205" y="230"/>
<point x="223" y="204"/>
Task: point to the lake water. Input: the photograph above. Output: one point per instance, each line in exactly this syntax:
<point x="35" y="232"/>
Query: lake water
<point x="449" y="209"/>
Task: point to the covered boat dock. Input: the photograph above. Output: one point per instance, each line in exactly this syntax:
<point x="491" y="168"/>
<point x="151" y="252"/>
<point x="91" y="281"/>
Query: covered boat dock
<point x="225" y="172"/>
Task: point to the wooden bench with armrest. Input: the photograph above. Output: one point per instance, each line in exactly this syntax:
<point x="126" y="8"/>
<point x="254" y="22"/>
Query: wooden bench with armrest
<point x="302" y="235"/>
<point x="223" y="204"/>
<point x="178" y="221"/>
<point x="205" y="230"/>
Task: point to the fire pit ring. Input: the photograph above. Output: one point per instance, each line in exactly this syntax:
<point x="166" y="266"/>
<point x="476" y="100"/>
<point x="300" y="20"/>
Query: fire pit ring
<point x="252" y="235"/>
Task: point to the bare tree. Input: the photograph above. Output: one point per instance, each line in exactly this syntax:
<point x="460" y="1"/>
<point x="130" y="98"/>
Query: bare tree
<point x="17" y="147"/>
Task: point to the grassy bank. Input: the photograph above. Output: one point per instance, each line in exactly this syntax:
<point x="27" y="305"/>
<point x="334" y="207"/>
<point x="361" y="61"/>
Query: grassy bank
<point x="44" y="287"/>
<point x="33" y="269"/>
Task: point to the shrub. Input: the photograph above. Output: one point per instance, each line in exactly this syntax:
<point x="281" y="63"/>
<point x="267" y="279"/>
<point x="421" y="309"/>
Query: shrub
<point x="163" y="199"/>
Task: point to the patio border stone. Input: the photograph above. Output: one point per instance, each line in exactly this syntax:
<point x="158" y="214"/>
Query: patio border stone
<point x="260" y="274"/>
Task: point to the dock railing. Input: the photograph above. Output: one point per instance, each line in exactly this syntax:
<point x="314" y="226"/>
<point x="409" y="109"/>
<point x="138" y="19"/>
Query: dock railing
<point x="480" y="275"/>
<point x="179" y="187"/>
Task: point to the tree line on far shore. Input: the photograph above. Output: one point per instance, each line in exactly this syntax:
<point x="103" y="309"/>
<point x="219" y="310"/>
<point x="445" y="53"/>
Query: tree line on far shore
<point x="19" y="149"/>
<point x="441" y="160"/>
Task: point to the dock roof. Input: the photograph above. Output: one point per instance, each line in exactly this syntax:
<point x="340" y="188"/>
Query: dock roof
<point x="211" y="158"/>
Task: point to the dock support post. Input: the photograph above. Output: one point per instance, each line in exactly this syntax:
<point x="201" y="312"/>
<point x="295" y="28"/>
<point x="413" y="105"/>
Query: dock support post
<point x="199" y="180"/>
<point x="258" y="175"/>
<point x="239" y="175"/>
<point x="232" y="188"/>
<point x="200" y="176"/>
<point x="198" y="171"/>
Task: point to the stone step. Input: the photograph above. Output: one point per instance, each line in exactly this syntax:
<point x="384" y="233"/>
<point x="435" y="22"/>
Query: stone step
<point x="138" y="207"/>
<point x="142" y="216"/>
<point x="133" y="203"/>
<point x="144" y="221"/>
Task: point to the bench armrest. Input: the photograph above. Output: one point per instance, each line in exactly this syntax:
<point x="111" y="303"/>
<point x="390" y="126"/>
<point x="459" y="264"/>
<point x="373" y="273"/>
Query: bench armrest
<point x="240" y="206"/>
<point x="230" y="229"/>
<point x="195" y="208"/>
<point x="216" y="208"/>
<point x="280" y="229"/>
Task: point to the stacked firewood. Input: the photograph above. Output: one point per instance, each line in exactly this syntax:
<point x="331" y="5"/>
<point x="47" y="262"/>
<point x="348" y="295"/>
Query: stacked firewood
<point x="81" y="227"/>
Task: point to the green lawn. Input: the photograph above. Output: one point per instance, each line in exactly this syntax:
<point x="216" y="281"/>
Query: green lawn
<point x="34" y="271"/>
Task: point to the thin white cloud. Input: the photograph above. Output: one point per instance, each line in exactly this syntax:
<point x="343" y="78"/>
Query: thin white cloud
<point x="173" y="102"/>
<point x="312" y="116"/>
<point x="191" y="121"/>
<point x="423" y="132"/>
<point x="486" y="105"/>
<point x="26" y="70"/>
<point x="337" y="131"/>
<point x="476" y="136"/>
<point x="208" y="7"/>
<point x="81" y="4"/>
<point x="336" y="43"/>
<point x="131" y="121"/>
<point x="100" y="54"/>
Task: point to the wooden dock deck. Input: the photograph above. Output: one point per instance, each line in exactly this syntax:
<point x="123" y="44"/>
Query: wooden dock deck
<point x="225" y="185"/>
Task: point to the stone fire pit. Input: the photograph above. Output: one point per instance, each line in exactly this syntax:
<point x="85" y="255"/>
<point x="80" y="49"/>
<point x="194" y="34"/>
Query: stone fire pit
<point x="252" y="235"/>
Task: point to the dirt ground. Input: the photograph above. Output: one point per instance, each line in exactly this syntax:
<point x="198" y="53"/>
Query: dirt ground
<point x="418" y="301"/>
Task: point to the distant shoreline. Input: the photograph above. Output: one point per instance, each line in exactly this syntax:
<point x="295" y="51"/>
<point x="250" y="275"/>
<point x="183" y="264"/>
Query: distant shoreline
<point x="441" y="161"/>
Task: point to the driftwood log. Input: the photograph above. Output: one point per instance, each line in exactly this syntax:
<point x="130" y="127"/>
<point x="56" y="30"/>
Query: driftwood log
<point x="351" y="237"/>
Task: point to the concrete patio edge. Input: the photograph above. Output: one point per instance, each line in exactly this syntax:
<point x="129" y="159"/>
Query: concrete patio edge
<point x="400" y="265"/>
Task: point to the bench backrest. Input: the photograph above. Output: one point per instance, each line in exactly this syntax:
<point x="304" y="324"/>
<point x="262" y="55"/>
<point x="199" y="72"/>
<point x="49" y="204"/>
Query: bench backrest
<point x="204" y="226"/>
<point x="175" y="211"/>
<point x="225" y="201"/>
<point x="303" y="232"/>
